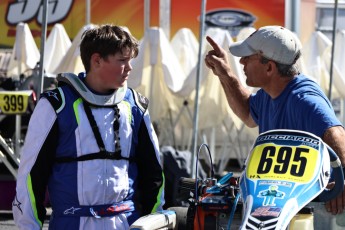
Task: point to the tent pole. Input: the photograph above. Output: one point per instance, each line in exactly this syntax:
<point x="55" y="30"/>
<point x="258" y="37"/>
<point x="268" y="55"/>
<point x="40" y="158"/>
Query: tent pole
<point x="197" y="88"/>
<point x="43" y="41"/>
<point x="18" y="117"/>
<point x="88" y="12"/>
<point x="335" y="15"/>
<point x="292" y="16"/>
<point x="147" y="6"/>
<point x="164" y="16"/>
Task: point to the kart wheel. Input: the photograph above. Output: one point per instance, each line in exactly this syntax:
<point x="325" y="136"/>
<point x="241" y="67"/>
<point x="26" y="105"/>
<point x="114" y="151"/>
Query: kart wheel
<point x="181" y="217"/>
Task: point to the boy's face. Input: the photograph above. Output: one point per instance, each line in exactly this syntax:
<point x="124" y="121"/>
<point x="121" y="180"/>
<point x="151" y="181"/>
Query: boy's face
<point x="114" y="70"/>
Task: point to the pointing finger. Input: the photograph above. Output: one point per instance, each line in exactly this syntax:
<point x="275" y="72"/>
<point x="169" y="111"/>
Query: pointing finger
<point x="214" y="45"/>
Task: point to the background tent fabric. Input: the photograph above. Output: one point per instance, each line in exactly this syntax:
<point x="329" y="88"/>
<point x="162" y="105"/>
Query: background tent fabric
<point x="338" y="84"/>
<point x="57" y="45"/>
<point x="313" y="54"/>
<point x="72" y="62"/>
<point x="155" y="52"/>
<point x="339" y="54"/>
<point x="157" y="74"/>
<point x="244" y="33"/>
<point x="317" y="57"/>
<point x="219" y="120"/>
<point x="185" y="45"/>
<point x="212" y="100"/>
<point x="212" y="96"/>
<point x="210" y="89"/>
<point x="25" y="55"/>
<point x="216" y="120"/>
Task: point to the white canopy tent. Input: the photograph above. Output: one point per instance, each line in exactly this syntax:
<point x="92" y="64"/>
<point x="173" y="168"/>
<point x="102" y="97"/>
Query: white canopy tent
<point x="25" y="55"/>
<point x="339" y="54"/>
<point x="173" y="109"/>
<point x="224" y="132"/>
<point x="185" y="46"/>
<point x="338" y="65"/>
<point x="71" y="62"/>
<point x="57" y="45"/>
<point x="157" y="74"/>
<point x="317" y="59"/>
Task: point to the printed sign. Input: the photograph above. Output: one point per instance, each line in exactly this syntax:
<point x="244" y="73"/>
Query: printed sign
<point x="14" y="102"/>
<point x="131" y="13"/>
<point x="288" y="163"/>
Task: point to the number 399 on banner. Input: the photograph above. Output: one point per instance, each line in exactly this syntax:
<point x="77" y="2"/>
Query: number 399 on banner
<point x="288" y="163"/>
<point x="14" y="102"/>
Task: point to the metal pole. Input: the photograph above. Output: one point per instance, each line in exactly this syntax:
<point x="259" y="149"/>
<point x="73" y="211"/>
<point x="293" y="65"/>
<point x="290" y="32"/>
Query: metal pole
<point x="197" y="87"/>
<point x="18" y="117"/>
<point x="88" y="12"/>
<point x="146" y="15"/>
<point x="43" y="42"/>
<point x="335" y="15"/>
<point x="292" y="16"/>
<point x="164" y="16"/>
<point x="296" y="16"/>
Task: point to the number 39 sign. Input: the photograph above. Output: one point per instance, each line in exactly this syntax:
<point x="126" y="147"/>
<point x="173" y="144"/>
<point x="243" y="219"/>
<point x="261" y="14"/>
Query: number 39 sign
<point x="288" y="163"/>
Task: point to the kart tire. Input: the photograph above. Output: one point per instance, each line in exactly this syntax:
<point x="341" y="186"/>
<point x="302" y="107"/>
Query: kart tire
<point x="181" y="217"/>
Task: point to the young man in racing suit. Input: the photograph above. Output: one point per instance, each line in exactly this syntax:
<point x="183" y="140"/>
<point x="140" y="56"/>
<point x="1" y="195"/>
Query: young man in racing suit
<point x="91" y="142"/>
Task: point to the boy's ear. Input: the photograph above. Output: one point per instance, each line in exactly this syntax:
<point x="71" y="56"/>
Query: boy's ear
<point x="95" y="58"/>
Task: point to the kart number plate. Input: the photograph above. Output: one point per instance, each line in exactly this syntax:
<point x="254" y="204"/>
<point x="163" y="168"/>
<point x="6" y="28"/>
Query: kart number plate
<point x="14" y="102"/>
<point x="288" y="163"/>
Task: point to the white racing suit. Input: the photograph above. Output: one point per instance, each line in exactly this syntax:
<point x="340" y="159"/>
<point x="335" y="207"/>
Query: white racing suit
<point x="91" y="184"/>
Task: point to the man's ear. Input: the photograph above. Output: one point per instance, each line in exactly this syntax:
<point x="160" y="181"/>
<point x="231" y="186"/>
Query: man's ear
<point x="95" y="59"/>
<point x="271" y="68"/>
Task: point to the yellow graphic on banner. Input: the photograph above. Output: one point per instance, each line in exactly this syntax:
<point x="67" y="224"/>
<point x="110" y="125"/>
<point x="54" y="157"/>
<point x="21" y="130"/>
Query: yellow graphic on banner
<point x="14" y="102"/>
<point x="288" y="163"/>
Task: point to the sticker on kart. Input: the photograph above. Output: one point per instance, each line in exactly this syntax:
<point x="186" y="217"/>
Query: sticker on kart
<point x="281" y="162"/>
<point x="285" y="170"/>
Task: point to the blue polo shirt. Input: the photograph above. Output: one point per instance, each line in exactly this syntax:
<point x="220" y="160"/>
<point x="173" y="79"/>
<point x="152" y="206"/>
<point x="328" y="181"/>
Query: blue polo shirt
<point x="301" y="106"/>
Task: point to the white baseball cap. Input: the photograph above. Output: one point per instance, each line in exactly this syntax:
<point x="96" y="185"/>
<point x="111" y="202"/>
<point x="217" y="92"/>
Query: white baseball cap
<point x="273" y="42"/>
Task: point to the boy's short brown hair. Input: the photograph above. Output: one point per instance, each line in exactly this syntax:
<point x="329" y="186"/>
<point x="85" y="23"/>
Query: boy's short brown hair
<point x="106" y="40"/>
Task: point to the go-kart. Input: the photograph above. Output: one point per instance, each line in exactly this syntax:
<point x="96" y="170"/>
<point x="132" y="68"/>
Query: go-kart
<point x="284" y="172"/>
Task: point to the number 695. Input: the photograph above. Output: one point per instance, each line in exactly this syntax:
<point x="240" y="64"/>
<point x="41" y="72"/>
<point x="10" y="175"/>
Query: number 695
<point x="281" y="158"/>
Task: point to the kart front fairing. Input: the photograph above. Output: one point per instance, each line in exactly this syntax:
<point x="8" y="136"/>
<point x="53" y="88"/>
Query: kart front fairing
<point x="284" y="171"/>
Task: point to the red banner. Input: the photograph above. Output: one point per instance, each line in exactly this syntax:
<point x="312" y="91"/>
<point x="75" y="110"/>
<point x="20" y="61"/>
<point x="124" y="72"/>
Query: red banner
<point x="130" y="13"/>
